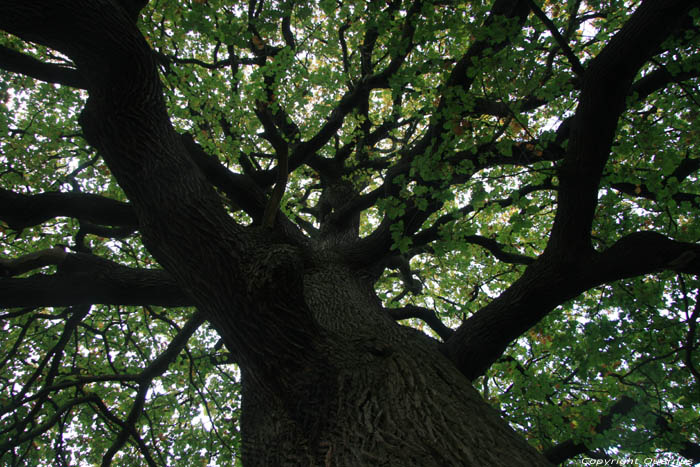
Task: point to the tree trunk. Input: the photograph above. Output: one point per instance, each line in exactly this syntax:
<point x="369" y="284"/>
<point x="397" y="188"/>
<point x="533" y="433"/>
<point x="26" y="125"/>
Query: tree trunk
<point x="329" y="379"/>
<point x="390" y="399"/>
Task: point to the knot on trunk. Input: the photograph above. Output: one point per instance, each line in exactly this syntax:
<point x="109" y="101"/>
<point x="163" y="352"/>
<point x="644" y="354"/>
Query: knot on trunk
<point x="275" y="267"/>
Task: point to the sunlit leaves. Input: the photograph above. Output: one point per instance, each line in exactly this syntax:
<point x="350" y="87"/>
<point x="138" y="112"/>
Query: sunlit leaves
<point x="103" y="358"/>
<point x="450" y="168"/>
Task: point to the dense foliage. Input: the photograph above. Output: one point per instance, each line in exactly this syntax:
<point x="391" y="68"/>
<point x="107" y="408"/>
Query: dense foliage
<point x="446" y="123"/>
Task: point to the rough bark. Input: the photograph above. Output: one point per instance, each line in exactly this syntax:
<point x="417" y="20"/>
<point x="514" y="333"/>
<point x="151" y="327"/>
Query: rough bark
<point x="329" y="378"/>
<point x="396" y="401"/>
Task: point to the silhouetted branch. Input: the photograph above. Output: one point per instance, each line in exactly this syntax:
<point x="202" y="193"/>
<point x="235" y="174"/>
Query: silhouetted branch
<point x="87" y="279"/>
<point x="424" y="314"/>
<point x="18" y="62"/>
<point x="570" y="448"/>
<point x="20" y="211"/>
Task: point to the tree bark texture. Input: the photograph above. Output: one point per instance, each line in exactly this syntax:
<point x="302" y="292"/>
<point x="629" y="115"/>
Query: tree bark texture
<point x="329" y="379"/>
<point x="392" y="398"/>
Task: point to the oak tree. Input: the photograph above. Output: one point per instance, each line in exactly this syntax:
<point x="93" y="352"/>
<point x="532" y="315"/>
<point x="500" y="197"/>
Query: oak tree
<point x="349" y="233"/>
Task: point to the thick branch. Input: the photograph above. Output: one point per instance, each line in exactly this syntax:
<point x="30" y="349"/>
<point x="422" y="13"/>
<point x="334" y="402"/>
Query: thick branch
<point x="88" y="228"/>
<point x="87" y="279"/>
<point x="287" y="30"/>
<point x="606" y="84"/>
<point x="282" y="150"/>
<point x="642" y="191"/>
<point x="497" y="250"/>
<point x="659" y="79"/>
<point x="31" y="261"/>
<point x="18" y="62"/>
<point x="226" y="268"/>
<point x="548" y="283"/>
<point x="240" y="189"/>
<point x="20" y="211"/>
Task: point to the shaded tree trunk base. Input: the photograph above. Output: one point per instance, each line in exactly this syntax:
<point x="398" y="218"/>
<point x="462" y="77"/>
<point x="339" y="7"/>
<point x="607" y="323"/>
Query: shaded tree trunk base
<point x="405" y="407"/>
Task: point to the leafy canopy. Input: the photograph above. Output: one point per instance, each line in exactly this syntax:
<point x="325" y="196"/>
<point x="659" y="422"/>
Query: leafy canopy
<point x="437" y="119"/>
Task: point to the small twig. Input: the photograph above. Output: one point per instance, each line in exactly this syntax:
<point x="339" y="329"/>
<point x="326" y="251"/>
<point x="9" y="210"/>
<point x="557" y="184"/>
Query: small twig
<point x="573" y="59"/>
<point x="690" y="340"/>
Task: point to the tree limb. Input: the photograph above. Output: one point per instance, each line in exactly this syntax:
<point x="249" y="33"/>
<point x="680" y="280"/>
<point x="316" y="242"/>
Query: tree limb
<point x="379" y="242"/>
<point x="155" y="369"/>
<point x="547" y="283"/>
<point x="282" y="169"/>
<point x="570" y="448"/>
<point x="563" y="44"/>
<point x="424" y="314"/>
<point x="606" y="84"/>
<point x="30" y="261"/>
<point x="88" y="279"/>
<point x="20" y="211"/>
<point x="240" y="189"/>
<point x="642" y="191"/>
<point x="569" y="266"/>
<point x="18" y="62"/>
<point x="497" y="250"/>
